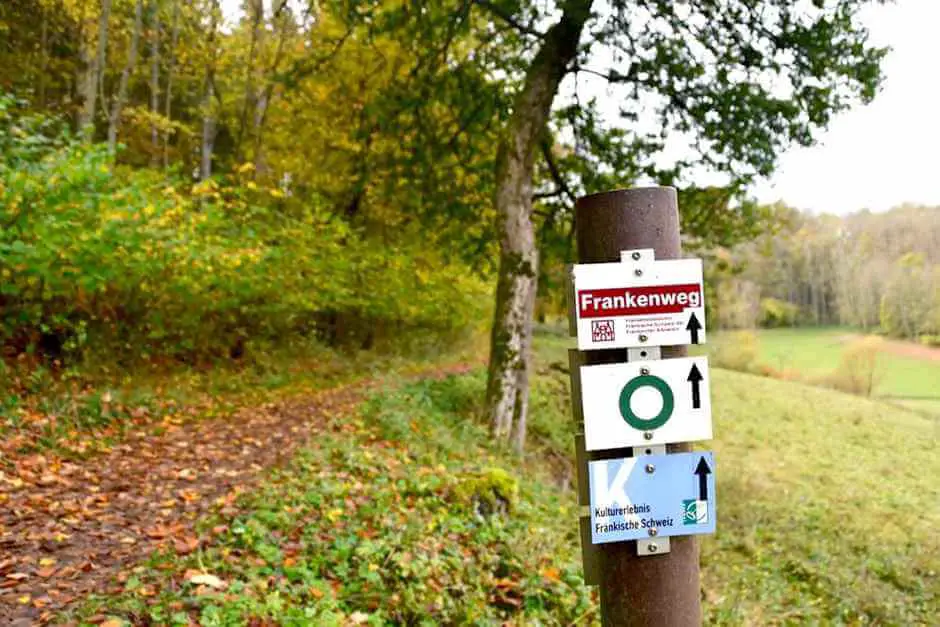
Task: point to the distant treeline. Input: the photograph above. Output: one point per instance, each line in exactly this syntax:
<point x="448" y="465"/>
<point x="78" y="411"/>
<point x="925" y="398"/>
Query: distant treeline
<point x="874" y="271"/>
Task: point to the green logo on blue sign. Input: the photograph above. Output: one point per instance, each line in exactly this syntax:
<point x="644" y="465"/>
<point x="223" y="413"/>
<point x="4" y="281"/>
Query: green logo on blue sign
<point x="694" y="512"/>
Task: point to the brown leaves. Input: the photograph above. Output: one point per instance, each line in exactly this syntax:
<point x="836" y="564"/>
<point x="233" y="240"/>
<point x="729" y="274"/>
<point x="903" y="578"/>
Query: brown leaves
<point x="185" y="545"/>
<point x="69" y="527"/>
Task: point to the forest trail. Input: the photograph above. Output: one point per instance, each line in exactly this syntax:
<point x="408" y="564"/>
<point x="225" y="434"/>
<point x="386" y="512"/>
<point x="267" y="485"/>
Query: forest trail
<point x="70" y="528"/>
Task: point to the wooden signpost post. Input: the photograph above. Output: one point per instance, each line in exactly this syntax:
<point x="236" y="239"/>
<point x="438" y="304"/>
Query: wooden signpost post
<point x="640" y="401"/>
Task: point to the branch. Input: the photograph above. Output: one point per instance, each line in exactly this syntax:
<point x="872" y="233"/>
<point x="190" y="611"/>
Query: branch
<point x="552" y="194"/>
<point x="612" y="76"/>
<point x="555" y="172"/>
<point x="509" y="19"/>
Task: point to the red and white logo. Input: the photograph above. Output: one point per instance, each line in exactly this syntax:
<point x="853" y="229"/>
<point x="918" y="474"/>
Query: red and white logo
<point x="602" y="331"/>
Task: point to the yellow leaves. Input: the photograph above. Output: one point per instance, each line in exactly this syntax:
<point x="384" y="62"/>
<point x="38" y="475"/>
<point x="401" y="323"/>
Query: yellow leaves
<point x="334" y="514"/>
<point x="551" y="573"/>
<point x="205" y="188"/>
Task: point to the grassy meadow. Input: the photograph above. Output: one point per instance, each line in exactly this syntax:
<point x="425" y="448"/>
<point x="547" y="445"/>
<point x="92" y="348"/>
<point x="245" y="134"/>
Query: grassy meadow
<point x="911" y="380"/>
<point x="828" y="508"/>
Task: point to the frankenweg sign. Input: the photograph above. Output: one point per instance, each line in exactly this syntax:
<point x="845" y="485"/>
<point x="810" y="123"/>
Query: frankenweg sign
<point x="618" y="305"/>
<point x="646" y="402"/>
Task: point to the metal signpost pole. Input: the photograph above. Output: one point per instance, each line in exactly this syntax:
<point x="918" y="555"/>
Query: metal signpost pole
<point x="639" y="590"/>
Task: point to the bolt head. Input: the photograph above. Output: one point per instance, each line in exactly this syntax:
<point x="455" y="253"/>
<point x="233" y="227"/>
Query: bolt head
<point x="652" y="547"/>
<point x="638" y="272"/>
<point x="636" y="256"/>
<point x="644" y="370"/>
<point x="643" y="338"/>
<point x="648" y="435"/>
<point x="653" y="532"/>
<point x="650" y="468"/>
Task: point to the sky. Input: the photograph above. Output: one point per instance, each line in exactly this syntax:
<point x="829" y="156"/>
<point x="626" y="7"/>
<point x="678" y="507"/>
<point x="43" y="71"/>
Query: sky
<point x="876" y="156"/>
<point x="886" y="153"/>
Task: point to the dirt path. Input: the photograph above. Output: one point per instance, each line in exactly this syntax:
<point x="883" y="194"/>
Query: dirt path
<point x="69" y="528"/>
<point x="904" y="349"/>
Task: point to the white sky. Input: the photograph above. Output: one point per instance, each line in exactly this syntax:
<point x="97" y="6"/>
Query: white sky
<point x="877" y="156"/>
<point x="884" y="154"/>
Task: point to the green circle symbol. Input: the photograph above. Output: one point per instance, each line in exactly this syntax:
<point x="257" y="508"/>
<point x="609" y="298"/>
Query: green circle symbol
<point x="659" y="419"/>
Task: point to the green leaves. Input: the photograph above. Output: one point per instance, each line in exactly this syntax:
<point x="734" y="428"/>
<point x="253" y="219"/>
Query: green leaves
<point x="141" y="266"/>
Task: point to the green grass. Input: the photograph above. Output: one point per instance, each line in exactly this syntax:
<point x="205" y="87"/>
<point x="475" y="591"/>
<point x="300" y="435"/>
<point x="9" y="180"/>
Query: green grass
<point x="817" y="351"/>
<point x="828" y="510"/>
<point x="87" y="409"/>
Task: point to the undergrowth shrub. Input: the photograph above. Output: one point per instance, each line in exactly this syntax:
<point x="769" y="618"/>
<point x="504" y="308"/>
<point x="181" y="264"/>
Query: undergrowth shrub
<point x="857" y="372"/>
<point x="99" y="259"/>
<point x="778" y="313"/>
<point x="737" y="350"/>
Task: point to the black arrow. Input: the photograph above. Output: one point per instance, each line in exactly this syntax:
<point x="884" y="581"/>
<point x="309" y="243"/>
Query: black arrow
<point x="695" y="378"/>
<point x="694" y="327"/>
<point x="702" y="470"/>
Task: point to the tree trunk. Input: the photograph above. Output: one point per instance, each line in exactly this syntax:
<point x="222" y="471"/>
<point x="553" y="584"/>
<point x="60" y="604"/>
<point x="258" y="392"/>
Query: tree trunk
<point x="208" y="128"/>
<point x="510" y="343"/>
<point x="250" y="103"/>
<point x="168" y="96"/>
<point x="155" y="84"/>
<point x="266" y="94"/>
<point x="94" y="70"/>
<point x="43" y="56"/>
<point x="117" y="106"/>
<point x="208" y="112"/>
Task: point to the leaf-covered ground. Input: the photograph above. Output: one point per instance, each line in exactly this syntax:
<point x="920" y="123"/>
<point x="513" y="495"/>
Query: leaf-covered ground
<point x="69" y="526"/>
<point x="398" y="512"/>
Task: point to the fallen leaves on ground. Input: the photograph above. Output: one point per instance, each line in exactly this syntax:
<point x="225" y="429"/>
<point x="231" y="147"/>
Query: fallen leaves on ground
<point x="70" y="527"/>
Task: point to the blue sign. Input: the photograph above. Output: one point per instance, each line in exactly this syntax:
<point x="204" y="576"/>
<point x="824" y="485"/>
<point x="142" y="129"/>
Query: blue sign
<point x="652" y="495"/>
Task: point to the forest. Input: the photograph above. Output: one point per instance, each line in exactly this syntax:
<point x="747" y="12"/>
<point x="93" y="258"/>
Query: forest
<point x="876" y="272"/>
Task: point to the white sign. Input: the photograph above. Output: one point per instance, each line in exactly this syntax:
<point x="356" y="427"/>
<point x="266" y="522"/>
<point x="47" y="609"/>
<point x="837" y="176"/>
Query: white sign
<point x="639" y="302"/>
<point x="646" y="402"/>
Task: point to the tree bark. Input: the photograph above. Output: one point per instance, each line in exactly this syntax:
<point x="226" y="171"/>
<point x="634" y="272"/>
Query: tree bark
<point x="94" y="70"/>
<point x="251" y="77"/>
<point x="117" y="106"/>
<point x="208" y="128"/>
<point x="171" y="69"/>
<point x="510" y="343"/>
<point x="208" y="115"/>
<point x="43" y="56"/>
<point x="155" y="83"/>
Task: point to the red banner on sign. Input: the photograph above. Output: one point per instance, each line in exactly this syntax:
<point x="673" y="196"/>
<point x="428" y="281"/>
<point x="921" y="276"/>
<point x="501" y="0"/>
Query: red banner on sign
<point x="638" y="301"/>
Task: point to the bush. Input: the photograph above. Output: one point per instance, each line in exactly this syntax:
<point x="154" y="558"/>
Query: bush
<point x="930" y="340"/>
<point x="129" y="263"/>
<point x="778" y="313"/>
<point x="737" y="350"/>
<point x="858" y="369"/>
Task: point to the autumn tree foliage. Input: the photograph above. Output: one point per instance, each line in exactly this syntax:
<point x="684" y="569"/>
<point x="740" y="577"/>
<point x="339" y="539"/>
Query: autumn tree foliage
<point x="451" y="136"/>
